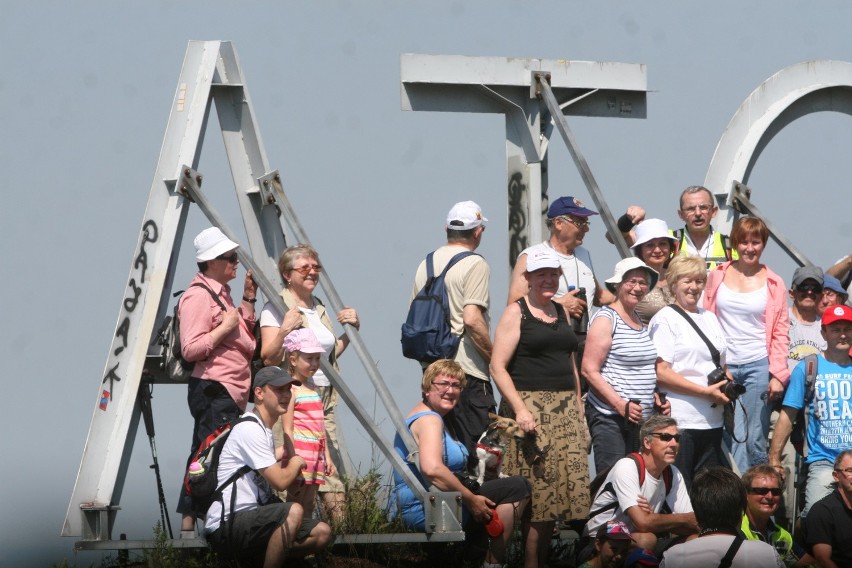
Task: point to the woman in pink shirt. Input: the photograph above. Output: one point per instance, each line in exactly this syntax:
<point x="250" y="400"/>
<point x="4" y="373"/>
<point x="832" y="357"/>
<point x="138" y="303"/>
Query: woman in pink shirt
<point x="216" y="336"/>
<point x="750" y="301"/>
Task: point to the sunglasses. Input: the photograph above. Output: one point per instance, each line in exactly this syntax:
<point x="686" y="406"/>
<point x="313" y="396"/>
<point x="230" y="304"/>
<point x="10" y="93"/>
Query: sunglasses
<point x="575" y="222"/>
<point x="666" y="437"/>
<point x="809" y="289"/>
<point x="776" y="491"/>
<point x="305" y="270"/>
<point x="232" y="258"/>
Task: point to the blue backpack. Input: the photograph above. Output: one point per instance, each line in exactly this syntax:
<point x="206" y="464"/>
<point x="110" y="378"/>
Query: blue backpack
<point x="427" y="334"/>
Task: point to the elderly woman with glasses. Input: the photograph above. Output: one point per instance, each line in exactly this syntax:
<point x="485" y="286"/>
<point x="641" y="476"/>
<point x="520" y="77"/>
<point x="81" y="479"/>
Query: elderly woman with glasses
<point x="534" y="368"/>
<point x="300" y="268"/>
<point x="619" y="364"/>
<point x="685" y="364"/>
<point x="216" y="336"/>
<point x="442" y="458"/>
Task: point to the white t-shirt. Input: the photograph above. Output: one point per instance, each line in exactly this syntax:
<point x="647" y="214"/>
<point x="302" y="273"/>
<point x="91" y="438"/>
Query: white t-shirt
<point x="679" y="345"/>
<point x="709" y="551"/>
<point x="250" y="443"/>
<point x="271" y="317"/>
<point x="624" y="477"/>
<point x="805" y="339"/>
<point x="743" y="319"/>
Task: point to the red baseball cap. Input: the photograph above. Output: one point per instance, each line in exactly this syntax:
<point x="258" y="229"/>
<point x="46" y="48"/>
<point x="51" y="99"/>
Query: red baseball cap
<point x="840" y="312"/>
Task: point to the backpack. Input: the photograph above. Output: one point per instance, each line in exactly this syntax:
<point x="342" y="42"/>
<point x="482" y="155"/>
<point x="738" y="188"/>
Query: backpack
<point x="427" y="334"/>
<point x="202" y="488"/>
<point x="599" y="479"/>
<point x="172" y="363"/>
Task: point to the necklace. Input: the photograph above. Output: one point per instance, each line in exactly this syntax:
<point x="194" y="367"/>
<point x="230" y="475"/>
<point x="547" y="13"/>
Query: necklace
<point x="712" y="531"/>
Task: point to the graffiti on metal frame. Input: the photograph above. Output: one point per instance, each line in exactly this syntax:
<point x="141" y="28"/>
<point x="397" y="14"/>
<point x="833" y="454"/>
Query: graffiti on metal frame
<point x="518" y="223"/>
<point x="150" y="234"/>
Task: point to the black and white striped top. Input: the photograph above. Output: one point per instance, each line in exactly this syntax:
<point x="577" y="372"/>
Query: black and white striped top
<point x="630" y="365"/>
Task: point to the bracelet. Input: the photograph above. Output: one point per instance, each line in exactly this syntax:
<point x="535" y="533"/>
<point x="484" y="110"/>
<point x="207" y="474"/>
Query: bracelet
<point x="249" y="300"/>
<point x="624" y="223"/>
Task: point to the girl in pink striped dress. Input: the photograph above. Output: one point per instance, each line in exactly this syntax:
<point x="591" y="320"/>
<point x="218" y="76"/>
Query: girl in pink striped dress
<point x="304" y="421"/>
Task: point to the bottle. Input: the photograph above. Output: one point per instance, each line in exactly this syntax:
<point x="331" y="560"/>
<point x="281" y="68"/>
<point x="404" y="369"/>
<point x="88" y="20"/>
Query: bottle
<point x="581" y="324"/>
<point x="195" y="469"/>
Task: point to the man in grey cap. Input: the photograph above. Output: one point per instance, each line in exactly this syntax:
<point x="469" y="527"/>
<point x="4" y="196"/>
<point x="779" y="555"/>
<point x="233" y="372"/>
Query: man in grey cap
<point x="805" y="335"/>
<point x="256" y="525"/>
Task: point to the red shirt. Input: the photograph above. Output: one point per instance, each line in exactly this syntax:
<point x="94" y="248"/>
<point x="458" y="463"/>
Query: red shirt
<point x="229" y="362"/>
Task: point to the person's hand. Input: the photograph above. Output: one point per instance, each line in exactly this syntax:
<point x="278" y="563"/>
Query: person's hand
<point x="329" y="469"/>
<point x="525" y="420"/>
<point x="350" y="316"/>
<point x="587" y="435"/>
<point x="715" y="393"/>
<point x="294" y="459"/>
<point x="249" y="287"/>
<point x="632" y="411"/>
<point x="292" y="319"/>
<point x="480" y="508"/>
<point x="664" y="408"/>
<point x="775" y="463"/>
<point x="636" y="214"/>
<point x="643" y="504"/>
<point x="775" y="390"/>
<point x="230" y="319"/>
<point x="574" y="305"/>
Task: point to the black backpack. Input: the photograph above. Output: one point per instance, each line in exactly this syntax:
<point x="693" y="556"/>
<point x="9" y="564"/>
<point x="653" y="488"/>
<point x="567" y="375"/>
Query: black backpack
<point x="427" y="333"/>
<point x="172" y="363"/>
<point x="203" y="488"/>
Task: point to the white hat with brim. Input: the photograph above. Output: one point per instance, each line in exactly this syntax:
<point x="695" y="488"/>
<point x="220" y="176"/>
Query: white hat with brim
<point x="625" y="266"/>
<point x="650" y="229"/>
<point x="211" y="243"/>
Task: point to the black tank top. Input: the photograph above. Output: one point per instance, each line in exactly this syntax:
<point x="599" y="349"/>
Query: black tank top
<point x="542" y="360"/>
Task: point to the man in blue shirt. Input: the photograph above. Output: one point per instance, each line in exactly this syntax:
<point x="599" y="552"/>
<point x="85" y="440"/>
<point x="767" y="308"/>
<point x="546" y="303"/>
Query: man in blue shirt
<point x="828" y="406"/>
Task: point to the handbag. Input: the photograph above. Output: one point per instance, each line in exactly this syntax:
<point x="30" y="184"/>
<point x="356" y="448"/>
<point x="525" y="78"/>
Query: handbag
<point x="728" y="410"/>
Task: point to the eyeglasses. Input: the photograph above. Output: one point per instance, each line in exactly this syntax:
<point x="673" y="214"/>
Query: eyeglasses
<point x="809" y="289"/>
<point x="584" y="224"/>
<point x="635" y="283"/>
<point x="776" y="491"/>
<point x="305" y="270"/>
<point x="847" y="471"/>
<point x="232" y="258"/>
<point x="444" y="386"/>
<point x="693" y="208"/>
<point x="666" y="437"/>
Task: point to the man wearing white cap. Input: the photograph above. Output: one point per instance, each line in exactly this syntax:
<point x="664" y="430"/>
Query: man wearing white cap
<point x="218" y="337"/>
<point x="467" y="291"/>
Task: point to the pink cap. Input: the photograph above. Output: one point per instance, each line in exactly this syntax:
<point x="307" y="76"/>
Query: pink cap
<point x="302" y="340"/>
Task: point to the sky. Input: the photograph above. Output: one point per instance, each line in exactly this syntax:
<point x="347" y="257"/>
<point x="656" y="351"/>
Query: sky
<point x="85" y="95"/>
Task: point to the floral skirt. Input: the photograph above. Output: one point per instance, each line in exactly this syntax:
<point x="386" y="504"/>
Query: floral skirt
<point x="554" y="461"/>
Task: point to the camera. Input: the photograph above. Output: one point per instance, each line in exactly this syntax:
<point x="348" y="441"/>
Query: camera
<point x="731" y="389"/>
<point x="469" y="483"/>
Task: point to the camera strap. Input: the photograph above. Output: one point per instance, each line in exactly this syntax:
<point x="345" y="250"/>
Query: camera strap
<point x="714" y="353"/>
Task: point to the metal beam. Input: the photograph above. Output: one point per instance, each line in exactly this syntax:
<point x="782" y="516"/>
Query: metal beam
<point x="546" y="93"/>
<point x="741" y="202"/>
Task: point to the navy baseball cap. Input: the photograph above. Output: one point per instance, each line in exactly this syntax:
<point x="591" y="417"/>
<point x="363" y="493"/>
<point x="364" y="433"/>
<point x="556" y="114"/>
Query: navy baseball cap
<point x="569" y="205"/>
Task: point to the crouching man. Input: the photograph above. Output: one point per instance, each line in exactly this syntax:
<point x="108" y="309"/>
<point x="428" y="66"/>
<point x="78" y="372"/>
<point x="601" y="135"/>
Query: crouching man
<point x="257" y="528"/>
<point x="647" y="494"/>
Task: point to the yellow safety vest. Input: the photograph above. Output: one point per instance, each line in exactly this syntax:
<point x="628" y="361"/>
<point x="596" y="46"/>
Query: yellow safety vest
<point x="779" y="538"/>
<point x="720" y="247"/>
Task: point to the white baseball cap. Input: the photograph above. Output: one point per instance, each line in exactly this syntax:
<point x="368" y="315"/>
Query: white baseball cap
<point x="465" y="215"/>
<point x="539" y="259"/>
